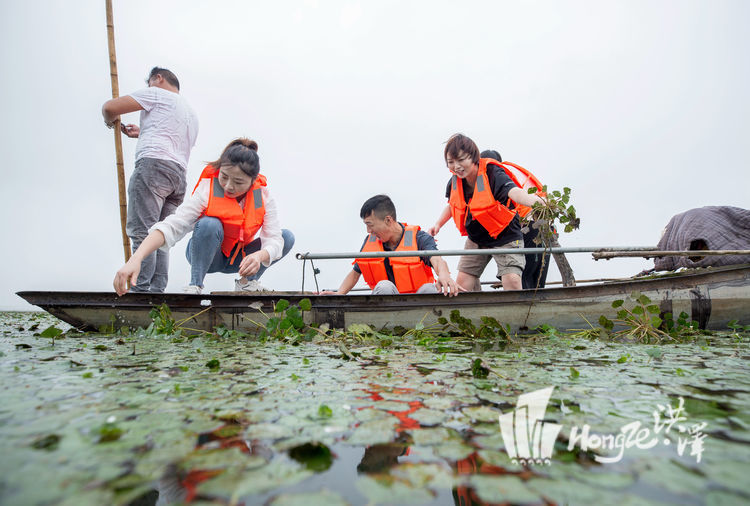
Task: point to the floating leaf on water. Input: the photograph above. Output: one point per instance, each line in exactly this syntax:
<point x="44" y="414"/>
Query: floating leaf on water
<point x="213" y="363"/>
<point x="49" y="442"/>
<point x="502" y="489"/>
<point x="654" y="352"/>
<point x="478" y="370"/>
<point x="108" y="432"/>
<point x="574" y="373"/>
<point x="316" y="457"/>
<point x="481" y="413"/>
<point x="324" y="411"/>
<point x="431" y="436"/>
<point x="429" y="416"/>
<point x="320" y="498"/>
<point x="386" y="490"/>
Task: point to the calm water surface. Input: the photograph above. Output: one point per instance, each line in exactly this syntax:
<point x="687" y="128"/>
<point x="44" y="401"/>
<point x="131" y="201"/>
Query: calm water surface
<point x="113" y="419"/>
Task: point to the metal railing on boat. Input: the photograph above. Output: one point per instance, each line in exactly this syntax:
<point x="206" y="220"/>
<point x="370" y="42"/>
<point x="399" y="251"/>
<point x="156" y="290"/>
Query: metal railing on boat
<point x="461" y="252"/>
<point x="598" y="253"/>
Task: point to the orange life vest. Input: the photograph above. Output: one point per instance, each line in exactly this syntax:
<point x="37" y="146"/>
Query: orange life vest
<point x="494" y="216"/>
<point x="524" y="179"/>
<point x="409" y="273"/>
<point x="240" y="225"/>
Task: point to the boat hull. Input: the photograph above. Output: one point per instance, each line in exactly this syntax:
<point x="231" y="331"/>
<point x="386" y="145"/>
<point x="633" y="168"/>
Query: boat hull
<point x="711" y="297"/>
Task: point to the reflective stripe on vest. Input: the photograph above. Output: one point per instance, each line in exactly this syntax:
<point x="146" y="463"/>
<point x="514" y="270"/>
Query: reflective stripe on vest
<point x="409" y="273"/>
<point x="240" y="224"/>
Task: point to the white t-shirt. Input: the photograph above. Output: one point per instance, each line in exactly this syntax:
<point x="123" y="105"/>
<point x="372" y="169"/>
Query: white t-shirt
<point x="169" y="126"/>
<point x="178" y="225"/>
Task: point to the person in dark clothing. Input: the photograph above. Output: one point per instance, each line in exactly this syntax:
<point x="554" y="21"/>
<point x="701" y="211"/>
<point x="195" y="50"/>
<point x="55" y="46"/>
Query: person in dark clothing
<point x="535" y="269"/>
<point x="481" y="199"/>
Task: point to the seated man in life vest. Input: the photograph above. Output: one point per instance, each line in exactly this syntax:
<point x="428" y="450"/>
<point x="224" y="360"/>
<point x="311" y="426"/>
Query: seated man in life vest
<point x="482" y="200"/>
<point x="394" y="275"/>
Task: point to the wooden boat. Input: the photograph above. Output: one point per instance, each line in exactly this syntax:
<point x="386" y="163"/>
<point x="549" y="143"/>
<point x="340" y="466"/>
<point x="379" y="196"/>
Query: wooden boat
<point x="712" y="297"/>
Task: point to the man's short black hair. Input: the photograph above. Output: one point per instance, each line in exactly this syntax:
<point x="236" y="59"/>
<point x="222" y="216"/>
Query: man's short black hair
<point x="491" y="153"/>
<point x="380" y="205"/>
<point x="166" y="74"/>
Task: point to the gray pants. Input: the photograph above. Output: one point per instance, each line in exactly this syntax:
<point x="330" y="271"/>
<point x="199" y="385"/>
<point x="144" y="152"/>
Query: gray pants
<point x="155" y="190"/>
<point x="386" y="287"/>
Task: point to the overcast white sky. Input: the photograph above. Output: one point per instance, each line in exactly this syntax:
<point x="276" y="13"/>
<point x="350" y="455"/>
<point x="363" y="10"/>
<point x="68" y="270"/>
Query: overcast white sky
<point x="641" y="107"/>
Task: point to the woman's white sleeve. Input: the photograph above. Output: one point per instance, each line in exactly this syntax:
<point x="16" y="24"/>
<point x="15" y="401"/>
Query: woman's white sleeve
<point x="270" y="233"/>
<point x="177" y="225"/>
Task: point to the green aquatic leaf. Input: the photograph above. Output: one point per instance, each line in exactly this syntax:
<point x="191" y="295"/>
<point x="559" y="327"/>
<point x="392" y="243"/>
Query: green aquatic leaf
<point x="281" y="305"/>
<point x="319" y="498"/>
<point x="324" y="411"/>
<point x="108" y="432"/>
<point x="478" y="370"/>
<point x="305" y="305"/>
<point x="654" y="352"/>
<point x="50" y="442"/>
<point x="574" y="373"/>
<point x="359" y="328"/>
<point x="315" y="457"/>
<point x="213" y="364"/>
<point x="50" y="331"/>
<point x="503" y="489"/>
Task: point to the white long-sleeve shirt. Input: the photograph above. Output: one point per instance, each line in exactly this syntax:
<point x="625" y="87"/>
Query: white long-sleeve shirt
<point x="177" y="225"/>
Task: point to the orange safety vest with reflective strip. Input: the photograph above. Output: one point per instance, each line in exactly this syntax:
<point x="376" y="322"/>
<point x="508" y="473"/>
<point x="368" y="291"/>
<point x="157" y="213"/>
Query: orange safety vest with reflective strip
<point x="240" y="225"/>
<point x="494" y="216"/>
<point x="524" y="179"/>
<point x="409" y="273"/>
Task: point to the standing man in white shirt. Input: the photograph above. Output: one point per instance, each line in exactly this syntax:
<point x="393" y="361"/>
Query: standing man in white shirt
<point x="167" y="132"/>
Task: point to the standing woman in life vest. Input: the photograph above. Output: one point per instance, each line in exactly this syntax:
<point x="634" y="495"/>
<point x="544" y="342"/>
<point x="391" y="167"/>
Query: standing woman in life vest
<point x="481" y="200"/>
<point x="234" y="221"/>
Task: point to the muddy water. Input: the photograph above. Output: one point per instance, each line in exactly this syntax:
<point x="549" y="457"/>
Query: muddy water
<point x="111" y="419"/>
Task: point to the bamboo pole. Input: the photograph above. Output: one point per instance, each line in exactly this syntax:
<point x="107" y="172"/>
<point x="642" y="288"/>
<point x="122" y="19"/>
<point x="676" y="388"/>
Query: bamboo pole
<point x="118" y="135"/>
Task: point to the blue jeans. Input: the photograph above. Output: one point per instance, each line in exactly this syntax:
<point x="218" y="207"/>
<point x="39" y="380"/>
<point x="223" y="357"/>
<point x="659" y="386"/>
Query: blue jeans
<point x="204" y="251"/>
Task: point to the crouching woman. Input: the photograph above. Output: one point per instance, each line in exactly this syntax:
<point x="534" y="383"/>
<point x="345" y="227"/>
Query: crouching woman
<point x="234" y="221"/>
